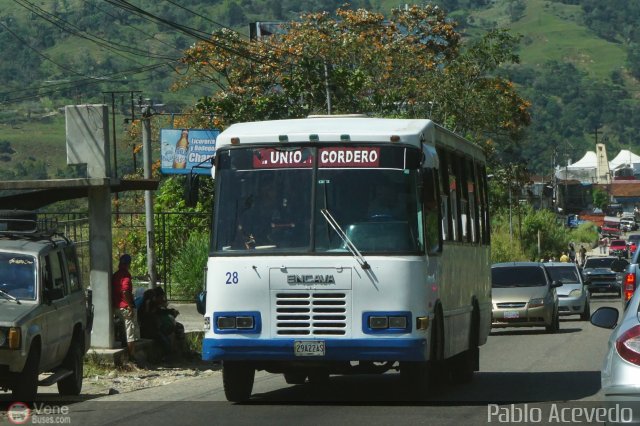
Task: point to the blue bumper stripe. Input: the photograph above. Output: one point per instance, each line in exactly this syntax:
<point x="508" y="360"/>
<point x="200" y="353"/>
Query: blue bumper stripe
<point x="336" y="350"/>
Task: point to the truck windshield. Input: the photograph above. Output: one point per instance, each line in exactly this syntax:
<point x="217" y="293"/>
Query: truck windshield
<point x="17" y="275"/>
<point x="265" y="202"/>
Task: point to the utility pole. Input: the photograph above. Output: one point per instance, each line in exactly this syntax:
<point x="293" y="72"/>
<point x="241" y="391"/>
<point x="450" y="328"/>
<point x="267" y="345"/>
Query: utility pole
<point x="147" y="113"/>
<point x="113" y="132"/>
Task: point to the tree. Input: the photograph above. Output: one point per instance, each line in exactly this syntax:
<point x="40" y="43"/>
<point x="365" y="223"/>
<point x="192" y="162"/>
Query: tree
<point x="600" y="198"/>
<point x="411" y="65"/>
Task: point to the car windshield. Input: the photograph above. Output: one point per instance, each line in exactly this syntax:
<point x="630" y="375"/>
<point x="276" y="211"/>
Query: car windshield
<point x="517" y="276"/>
<point x="603" y="262"/>
<point x="564" y="274"/>
<point x="17" y="275"/>
<point x="618" y="243"/>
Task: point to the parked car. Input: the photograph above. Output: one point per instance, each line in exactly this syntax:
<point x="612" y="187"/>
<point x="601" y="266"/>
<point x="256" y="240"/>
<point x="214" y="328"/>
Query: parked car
<point x="620" y="375"/>
<point x="45" y="316"/>
<point x="609" y="231"/>
<point x="599" y="277"/>
<point x="630" y="275"/>
<point x="628" y="224"/>
<point x="618" y="248"/>
<point x="524" y="296"/>
<point x="635" y="238"/>
<point x="573" y="296"/>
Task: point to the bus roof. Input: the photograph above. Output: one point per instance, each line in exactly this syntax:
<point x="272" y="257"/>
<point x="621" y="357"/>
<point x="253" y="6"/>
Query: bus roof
<point x="328" y="129"/>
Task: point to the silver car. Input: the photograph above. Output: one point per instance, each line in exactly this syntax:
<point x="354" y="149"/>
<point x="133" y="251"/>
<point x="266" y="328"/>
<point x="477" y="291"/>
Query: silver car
<point x="523" y="295"/>
<point x="620" y="375"/>
<point x="573" y="296"/>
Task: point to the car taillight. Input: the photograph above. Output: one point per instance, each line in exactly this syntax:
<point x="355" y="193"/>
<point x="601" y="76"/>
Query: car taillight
<point x="628" y="345"/>
<point x="629" y="285"/>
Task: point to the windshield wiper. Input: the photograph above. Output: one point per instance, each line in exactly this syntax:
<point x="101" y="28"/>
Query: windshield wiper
<point x="343" y="236"/>
<point x="10" y="297"/>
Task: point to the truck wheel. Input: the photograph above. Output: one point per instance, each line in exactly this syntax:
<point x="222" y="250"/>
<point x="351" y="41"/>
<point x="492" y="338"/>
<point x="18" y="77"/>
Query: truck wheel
<point x="27" y="387"/>
<point x="237" y="379"/>
<point x="295" y="378"/>
<point x="72" y="385"/>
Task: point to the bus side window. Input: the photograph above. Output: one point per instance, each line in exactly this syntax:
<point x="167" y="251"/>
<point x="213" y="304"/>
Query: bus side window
<point x="465" y="216"/>
<point x="444" y="191"/>
<point x="454" y="195"/>
<point x="484" y="205"/>
<point x="432" y="217"/>
<point x="472" y="188"/>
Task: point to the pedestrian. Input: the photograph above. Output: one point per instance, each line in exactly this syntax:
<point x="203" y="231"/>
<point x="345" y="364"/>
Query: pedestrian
<point x="582" y="255"/>
<point x="564" y="257"/>
<point x="123" y="303"/>
<point x="601" y="244"/>
<point x="572" y="253"/>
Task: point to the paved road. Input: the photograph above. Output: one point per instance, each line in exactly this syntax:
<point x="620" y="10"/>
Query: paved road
<point x="519" y="366"/>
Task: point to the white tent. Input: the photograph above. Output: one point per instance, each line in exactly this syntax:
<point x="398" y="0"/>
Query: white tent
<point x="625" y="158"/>
<point x="583" y="170"/>
<point x="589" y="161"/>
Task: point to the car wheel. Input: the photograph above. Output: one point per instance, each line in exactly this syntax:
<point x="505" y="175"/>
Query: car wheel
<point x="72" y="384"/>
<point x="555" y="324"/>
<point x="237" y="379"/>
<point x="586" y="313"/>
<point x="27" y="387"/>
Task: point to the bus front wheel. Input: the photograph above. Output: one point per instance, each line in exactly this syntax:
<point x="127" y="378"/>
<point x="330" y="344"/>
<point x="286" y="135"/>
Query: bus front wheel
<point x="237" y="378"/>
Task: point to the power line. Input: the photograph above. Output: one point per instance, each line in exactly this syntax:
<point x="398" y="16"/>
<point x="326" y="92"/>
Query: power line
<point x="75" y="30"/>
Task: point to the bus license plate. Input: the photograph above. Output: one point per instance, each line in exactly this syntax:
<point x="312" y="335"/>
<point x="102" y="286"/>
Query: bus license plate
<point x="511" y="314"/>
<point x="308" y="348"/>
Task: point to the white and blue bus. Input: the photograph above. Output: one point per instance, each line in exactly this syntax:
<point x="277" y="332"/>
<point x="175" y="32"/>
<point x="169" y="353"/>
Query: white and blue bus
<point x="347" y="244"/>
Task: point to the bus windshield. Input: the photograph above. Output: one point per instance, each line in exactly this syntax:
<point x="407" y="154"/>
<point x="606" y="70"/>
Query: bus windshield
<point x="265" y="200"/>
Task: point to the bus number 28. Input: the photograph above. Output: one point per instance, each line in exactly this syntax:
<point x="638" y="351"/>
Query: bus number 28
<point x="232" y="278"/>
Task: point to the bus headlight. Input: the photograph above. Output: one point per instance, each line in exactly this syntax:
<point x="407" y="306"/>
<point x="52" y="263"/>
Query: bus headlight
<point x="244" y="322"/>
<point x="237" y="322"/>
<point x="226" y="322"/>
<point x="386" y="322"/>
<point x="378" y="322"/>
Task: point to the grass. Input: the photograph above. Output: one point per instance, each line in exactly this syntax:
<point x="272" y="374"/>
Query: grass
<point x="193" y="341"/>
<point x="552" y="32"/>
<point x="95" y="365"/>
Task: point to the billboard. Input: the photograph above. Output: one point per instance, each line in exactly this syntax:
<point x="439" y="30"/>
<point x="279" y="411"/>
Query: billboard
<point x="184" y="149"/>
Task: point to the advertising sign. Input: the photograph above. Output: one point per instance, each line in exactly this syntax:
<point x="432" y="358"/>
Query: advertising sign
<point x="184" y="149"/>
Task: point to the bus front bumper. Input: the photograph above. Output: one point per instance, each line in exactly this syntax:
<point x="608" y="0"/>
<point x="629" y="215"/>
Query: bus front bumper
<point x="382" y="349"/>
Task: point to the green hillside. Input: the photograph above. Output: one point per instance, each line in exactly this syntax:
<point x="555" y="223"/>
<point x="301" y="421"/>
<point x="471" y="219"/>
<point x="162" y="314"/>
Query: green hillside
<point x="96" y="47"/>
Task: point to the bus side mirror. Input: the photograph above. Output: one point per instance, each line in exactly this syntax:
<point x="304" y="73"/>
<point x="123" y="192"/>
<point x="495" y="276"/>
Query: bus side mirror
<point x="201" y="302"/>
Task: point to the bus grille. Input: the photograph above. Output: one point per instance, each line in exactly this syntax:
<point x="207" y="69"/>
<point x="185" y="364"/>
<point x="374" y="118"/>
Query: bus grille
<point x="311" y="313"/>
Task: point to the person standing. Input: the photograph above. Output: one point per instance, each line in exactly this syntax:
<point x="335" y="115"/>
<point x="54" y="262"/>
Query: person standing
<point x="123" y="303"/>
<point x="582" y="255"/>
<point x="572" y="253"/>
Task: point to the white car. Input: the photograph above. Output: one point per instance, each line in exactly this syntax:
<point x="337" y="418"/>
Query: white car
<point x="573" y="295"/>
<point x="45" y="317"/>
<point x="620" y="376"/>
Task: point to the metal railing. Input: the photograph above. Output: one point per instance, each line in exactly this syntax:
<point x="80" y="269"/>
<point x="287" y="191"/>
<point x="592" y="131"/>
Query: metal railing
<point x="168" y="240"/>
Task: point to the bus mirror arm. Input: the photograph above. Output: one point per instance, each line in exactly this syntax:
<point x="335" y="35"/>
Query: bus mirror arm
<point x="345" y="239"/>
